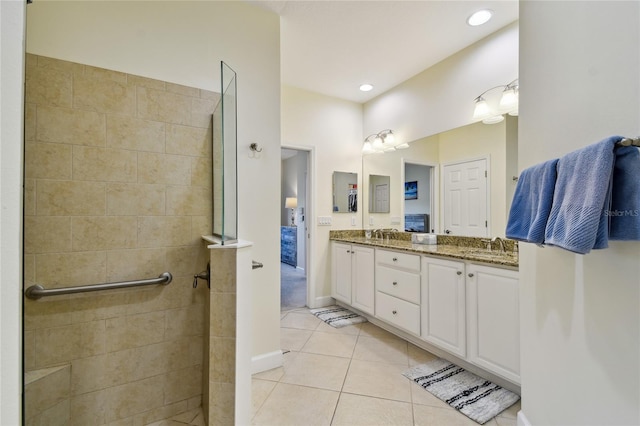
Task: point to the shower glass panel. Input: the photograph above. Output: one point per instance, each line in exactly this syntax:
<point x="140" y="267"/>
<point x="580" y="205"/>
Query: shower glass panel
<point x="225" y="175"/>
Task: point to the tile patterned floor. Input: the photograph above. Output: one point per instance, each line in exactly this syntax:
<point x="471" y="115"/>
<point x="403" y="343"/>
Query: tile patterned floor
<point x="349" y="376"/>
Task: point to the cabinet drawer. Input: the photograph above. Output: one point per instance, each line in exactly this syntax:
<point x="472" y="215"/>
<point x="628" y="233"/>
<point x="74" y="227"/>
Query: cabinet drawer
<point x="402" y="284"/>
<point x="399" y="260"/>
<point x="398" y="312"/>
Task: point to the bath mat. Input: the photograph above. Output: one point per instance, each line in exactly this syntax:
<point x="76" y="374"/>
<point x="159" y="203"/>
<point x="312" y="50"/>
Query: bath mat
<point x="337" y="316"/>
<point x="475" y="397"/>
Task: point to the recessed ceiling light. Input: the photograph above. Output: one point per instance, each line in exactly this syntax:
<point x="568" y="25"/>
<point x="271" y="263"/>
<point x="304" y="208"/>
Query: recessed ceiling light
<point x="366" y="87"/>
<point x="480" y="17"/>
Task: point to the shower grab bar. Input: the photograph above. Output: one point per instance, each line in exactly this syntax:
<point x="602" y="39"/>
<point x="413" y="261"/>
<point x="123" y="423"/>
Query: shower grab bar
<point x="37" y="291"/>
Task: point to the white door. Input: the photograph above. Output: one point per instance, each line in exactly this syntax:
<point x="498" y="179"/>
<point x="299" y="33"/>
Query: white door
<point x="465" y="198"/>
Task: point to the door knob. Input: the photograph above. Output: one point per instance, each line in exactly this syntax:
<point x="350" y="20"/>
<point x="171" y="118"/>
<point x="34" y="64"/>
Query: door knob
<point x="395" y="283"/>
<point x="394" y="312"/>
<point x="459" y="272"/>
<point x="470" y="275"/>
<point x="446" y="231"/>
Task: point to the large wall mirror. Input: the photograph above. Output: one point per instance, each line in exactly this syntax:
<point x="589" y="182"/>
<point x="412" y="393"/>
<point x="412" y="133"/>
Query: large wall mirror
<point x="497" y="143"/>
<point x="345" y="192"/>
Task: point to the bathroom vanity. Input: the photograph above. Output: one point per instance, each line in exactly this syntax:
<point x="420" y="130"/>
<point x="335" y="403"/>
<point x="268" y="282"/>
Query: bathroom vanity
<point x="456" y="299"/>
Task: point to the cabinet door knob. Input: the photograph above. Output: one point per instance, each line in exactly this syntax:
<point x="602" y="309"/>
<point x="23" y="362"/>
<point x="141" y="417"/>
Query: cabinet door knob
<point x="459" y="272"/>
<point x="395" y="283"/>
<point x="394" y="312"/>
<point x="395" y="259"/>
<point x="470" y="275"/>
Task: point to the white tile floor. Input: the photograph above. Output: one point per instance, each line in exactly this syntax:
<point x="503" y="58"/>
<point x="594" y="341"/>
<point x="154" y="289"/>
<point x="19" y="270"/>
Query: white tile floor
<point x="349" y="376"/>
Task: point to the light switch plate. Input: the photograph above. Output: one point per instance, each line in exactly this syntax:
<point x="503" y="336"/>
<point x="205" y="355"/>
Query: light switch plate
<point x="395" y="220"/>
<point x="324" y="220"/>
<point x="353" y="221"/>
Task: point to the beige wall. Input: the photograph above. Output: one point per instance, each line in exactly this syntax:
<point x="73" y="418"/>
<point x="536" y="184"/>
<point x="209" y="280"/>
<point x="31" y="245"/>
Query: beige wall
<point x="118" y="177"/>
<point x="332" y="129"/>
<point x="440" y="98"/>
<point x="183" y="43"/>
<point x="579" y="314"/>
<point x="12" y="15"/>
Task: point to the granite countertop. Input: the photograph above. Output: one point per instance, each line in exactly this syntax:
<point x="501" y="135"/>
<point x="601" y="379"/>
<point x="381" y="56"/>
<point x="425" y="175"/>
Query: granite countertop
<point x="462" y="248"/>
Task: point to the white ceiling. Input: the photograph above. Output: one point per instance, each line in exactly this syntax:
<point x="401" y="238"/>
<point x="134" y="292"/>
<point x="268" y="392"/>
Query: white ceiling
<point x="332" y="47"/>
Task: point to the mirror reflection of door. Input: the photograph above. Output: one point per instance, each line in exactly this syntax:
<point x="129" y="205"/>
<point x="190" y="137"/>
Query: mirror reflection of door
<point x="379" y="187"/>
<point x="381" y="197"/>
<point x="465" y="198"/>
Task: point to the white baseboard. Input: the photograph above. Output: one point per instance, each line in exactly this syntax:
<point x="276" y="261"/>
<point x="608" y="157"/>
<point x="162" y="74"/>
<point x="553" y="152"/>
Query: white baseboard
<point x="321" y="302"/>
<point x="522" y="419"/>
<point x="264" y="362"/>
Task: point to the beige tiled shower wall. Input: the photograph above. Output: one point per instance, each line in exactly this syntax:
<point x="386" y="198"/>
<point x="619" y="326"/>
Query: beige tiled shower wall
<point x="117" y="187"/>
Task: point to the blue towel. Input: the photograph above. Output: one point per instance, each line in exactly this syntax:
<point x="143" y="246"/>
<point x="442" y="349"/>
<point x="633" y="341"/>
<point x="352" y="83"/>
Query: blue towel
<point x="532" y="203"/>
<point x="583" y="195"/>
<point x="624" y="214"/>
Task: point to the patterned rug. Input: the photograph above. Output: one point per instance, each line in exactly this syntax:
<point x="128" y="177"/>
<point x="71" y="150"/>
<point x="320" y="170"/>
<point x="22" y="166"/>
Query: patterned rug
<point x="475" y="397"/>
<point x="337" y="316"/>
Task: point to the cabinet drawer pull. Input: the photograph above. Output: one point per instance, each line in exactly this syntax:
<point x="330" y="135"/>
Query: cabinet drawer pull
<point x="395" y="259"/>
<point x="470" y="275"/>
<point x="394" y="312"/>
<point x="459" y="272"/>
<point x="395" y="283"/>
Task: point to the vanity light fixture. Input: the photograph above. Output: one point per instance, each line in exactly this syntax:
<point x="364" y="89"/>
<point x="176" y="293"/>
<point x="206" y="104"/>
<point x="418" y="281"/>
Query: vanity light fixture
<point x="508" y="104"/>
<point x="383" y="141"/>
<point x="366" y="87"/>
<point x="480" y="17"/>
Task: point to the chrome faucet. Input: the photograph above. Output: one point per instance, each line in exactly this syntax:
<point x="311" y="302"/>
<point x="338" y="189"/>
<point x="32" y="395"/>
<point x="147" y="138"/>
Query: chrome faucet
<point x="500" y="243"/>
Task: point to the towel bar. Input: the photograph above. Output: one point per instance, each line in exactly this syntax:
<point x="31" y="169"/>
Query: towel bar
<point x="37" y="291"/>
<point x="629" y="142"/>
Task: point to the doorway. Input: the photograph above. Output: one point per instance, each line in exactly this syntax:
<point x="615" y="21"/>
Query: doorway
<point x="294" y="232"/>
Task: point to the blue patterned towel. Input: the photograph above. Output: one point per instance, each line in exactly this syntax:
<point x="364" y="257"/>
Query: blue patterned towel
<point x="624" y="214"/>
<point x="532" y="203"/>
<point x="582" y="201"/>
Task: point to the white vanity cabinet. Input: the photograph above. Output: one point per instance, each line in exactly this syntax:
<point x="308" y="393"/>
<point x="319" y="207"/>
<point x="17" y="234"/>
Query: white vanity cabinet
<point x="494" y="320"/>
<point x="353" y="275"/>
<point x="397" y="278"/>
<point x="466" y="309"/>
<point x="443" y="310"/>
